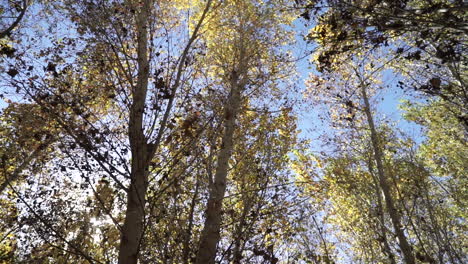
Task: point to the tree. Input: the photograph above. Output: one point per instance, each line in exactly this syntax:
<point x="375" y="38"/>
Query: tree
<point x="75" y="102"/>
<point x="446" y="166"/>
<point x="241" y="62"/>
<point x="142" y="150"/>
<point x="355" y="86"/>
<point x="383" y="182"/>
<point x="426" y="35"/>
<point x="176" y="132"/>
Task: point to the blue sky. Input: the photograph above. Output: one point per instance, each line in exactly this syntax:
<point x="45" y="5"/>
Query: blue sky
<point x="309" y="122"/>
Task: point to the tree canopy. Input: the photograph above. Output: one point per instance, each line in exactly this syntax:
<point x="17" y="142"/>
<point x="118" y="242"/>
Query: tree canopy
<point x="233" y="131"/>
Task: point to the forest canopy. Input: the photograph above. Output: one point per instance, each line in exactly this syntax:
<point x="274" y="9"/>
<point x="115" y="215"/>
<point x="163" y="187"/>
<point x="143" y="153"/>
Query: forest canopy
<point x="233" y="131"/>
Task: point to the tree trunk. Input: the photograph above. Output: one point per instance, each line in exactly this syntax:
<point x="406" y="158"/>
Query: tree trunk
<point x="188" y="234"/>
<point x="240" y="232"/>
<point x="394" y="215"/>
<point x="211" y="231"/>
<point x="383" y="229"/>
<point x="132" y="230"/>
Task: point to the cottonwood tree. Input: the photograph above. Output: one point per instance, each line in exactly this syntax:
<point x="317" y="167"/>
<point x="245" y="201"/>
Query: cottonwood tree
<point x="350" y="91"/>
<point x="128" y="85"/>
<point x="428" y="36"/>
<point x="257" y="227"/>
<point x="443" y="196"/>
<point x="392" y="194"/>
<point x="241" y="40"/>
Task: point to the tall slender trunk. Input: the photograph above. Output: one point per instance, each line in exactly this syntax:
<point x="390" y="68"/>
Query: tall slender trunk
<point x="394" y="215"/>
<point x="239" y="234"/>
<point x="142" y="151"/>
<point x="188" y="234"/>
<point x="211" y="231"/>
<point x="383" y="229"/>
<point x="132" y="230"/>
